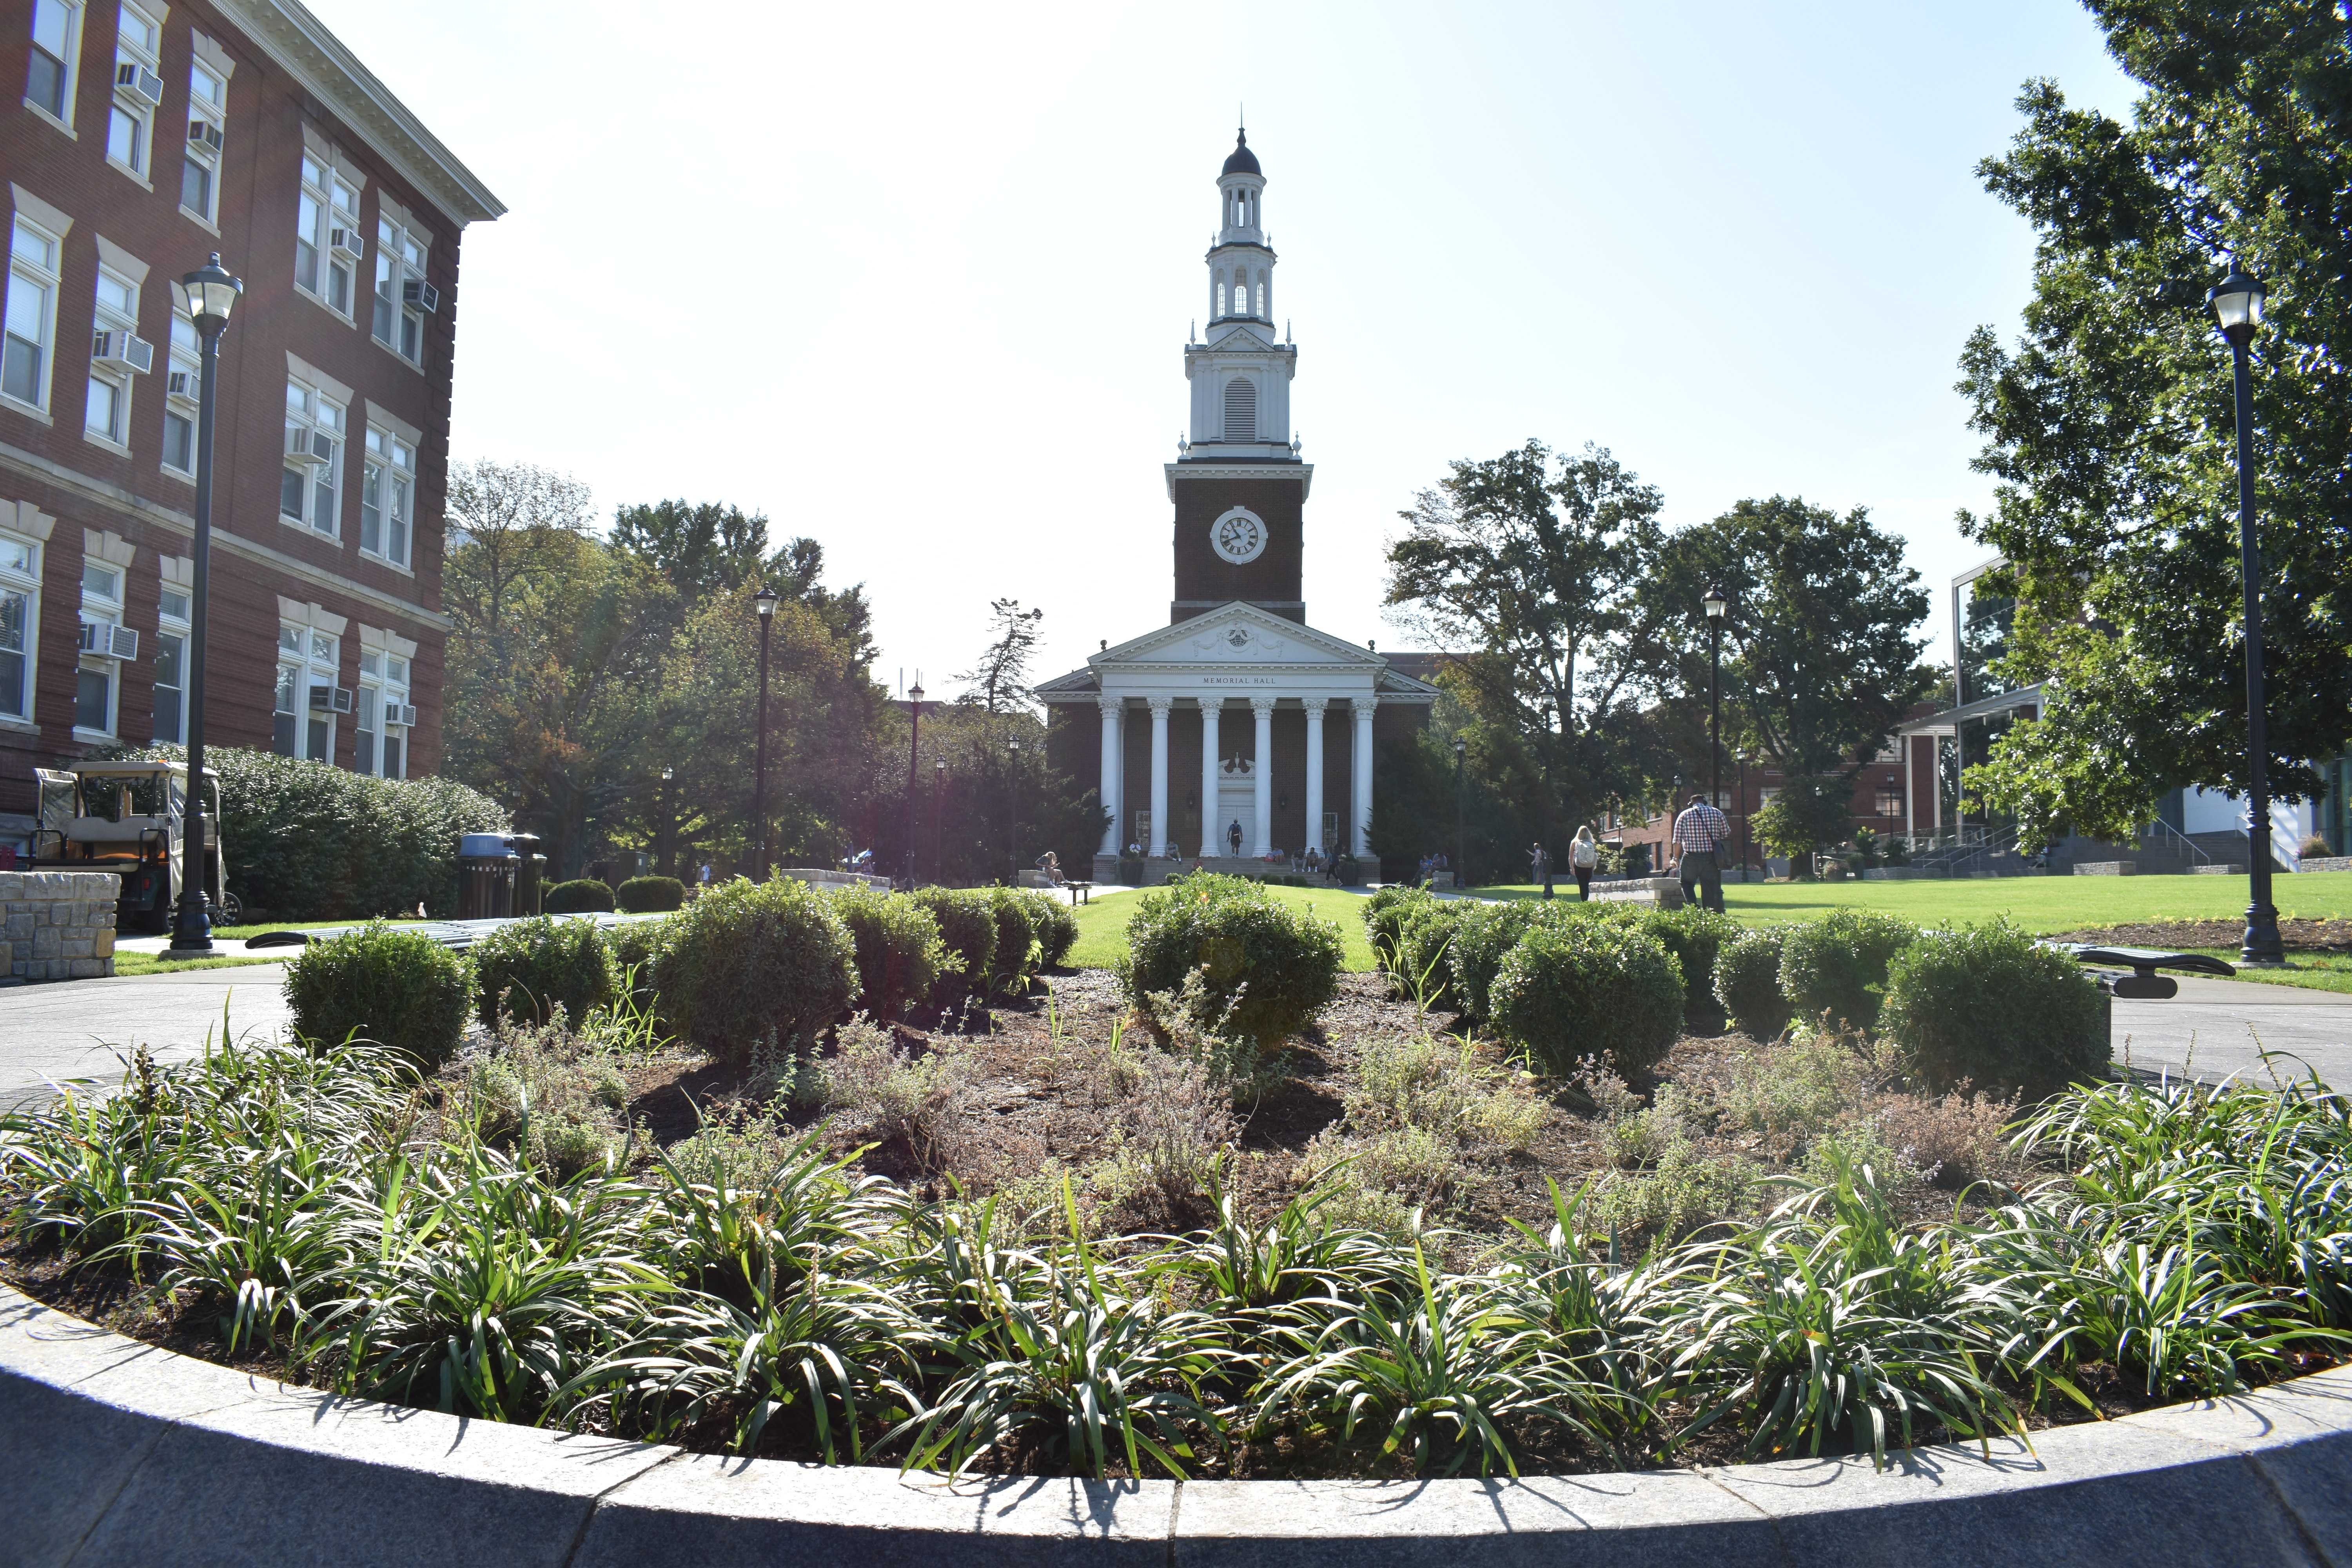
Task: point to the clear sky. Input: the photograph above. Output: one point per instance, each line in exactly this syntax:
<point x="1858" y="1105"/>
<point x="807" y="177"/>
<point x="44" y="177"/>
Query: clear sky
<point x="916" y="280"/>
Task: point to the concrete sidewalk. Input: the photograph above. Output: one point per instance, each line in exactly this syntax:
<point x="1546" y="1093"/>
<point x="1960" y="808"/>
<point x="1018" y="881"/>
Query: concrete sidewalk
<point x="77" y="1028"/>
<point x="2216" y="1027"/>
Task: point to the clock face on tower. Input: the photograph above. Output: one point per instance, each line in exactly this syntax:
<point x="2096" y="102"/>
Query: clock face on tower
<point x="1239" y="535"/>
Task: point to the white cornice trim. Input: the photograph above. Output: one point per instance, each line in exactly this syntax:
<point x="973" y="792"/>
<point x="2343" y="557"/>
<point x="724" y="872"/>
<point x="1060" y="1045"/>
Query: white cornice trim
<point x="149" y="513"/>
<point x="1303" y="472"/>
<point x="300" y="43"/>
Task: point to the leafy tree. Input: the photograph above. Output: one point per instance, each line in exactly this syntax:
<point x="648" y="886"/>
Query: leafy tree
<point x="507" y="527"/>
<point x="2110" y="424"/>
<point x="1807" y="815"/>
<point x="1000" y="679"/>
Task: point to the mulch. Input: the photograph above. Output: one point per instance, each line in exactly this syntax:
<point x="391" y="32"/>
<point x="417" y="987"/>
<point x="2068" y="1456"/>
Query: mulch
<point x="2299" y="935"/>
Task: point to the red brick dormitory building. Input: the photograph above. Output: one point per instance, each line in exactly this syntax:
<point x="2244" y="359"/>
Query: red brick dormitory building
<point x="149" y="135"/>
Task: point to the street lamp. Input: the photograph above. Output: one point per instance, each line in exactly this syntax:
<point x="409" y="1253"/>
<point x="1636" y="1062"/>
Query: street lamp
<point x="764" y="601"/>
<point x="212" y="294"/>
<point x="668" y="825"/>
<point x="1013" y="811"/>
<point x="914" y="738"/>
<point x="1715" y="606"/>
<point x="1461" y="840"/>
<point x="2237" y="302"/>
<point x="939" y="823"/>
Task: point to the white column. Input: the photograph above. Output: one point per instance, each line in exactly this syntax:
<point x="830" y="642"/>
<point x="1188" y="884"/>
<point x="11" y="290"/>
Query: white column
<point x="1262" y="771"/>
<point x="1361" y="776"/>
<point x="1211" y="706"/>
<point x="1114" y="770"/>
<point x="1315" y="706"/>
<point x="1159" y="844"/>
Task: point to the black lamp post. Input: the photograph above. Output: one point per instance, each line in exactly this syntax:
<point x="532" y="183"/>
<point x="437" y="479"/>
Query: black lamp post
<point x="764" y="601"/>
<point x="212" y="294"/>
<point x="938" y="822"/>
<point x="668" y="825"/>
<point x="1461" y="836"/>
<point x="914" y="739"/>
<point x="1715" y="606"/>
<point x="2237" y="302"/>
<point x="1013" y="811"/>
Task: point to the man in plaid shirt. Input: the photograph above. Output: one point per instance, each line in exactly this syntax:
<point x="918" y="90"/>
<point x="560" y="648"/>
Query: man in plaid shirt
<point x="1699" y="832"/>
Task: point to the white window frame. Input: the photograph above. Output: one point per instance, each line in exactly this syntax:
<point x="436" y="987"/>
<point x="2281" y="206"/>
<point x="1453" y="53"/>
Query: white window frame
<point x="61" y="117"/>
<point x="104" y="610"/>
<point x="313" y="657"/>
<point x="22" y="582"/>
<point x="398" y="685"/>
<point x="388" y="490"/>
<point x="129" y="49"/>
<point x="214" y="112"/>
<point x="116" y="379"/>
<point x="400" y="252"/>
<point x="29" y="272"/>
<point x="309" y="409"/>
<point x="186" y="358"/>
<point x="172" y="627"/>
<point x="329" y="200"/>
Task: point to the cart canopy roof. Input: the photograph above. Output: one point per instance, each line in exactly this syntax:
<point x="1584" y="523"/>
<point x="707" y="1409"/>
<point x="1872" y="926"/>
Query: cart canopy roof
<point x="131" y="769"/>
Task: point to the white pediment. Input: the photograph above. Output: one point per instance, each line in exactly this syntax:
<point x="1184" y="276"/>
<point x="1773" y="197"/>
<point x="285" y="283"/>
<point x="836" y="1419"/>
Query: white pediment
<point x="1237" y="634"/>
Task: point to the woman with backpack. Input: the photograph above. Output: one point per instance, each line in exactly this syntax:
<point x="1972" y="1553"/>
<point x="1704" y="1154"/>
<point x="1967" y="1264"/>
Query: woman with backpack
<point x="1583" y="857"/>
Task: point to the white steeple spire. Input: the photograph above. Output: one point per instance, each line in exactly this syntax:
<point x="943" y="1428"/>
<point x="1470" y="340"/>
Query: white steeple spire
<point x="1241" y="377"/>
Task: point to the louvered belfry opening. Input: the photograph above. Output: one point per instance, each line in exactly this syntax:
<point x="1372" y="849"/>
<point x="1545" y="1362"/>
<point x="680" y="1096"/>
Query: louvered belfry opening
<point x="1241" y="410"/>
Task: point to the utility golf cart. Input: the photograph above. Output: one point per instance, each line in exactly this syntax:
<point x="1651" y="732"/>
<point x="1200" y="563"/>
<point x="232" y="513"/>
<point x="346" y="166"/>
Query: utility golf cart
<point x="127" y="818"/>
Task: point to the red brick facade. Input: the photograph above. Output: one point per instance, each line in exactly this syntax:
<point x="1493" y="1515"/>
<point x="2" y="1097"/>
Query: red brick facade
<point x="289" y="84"/>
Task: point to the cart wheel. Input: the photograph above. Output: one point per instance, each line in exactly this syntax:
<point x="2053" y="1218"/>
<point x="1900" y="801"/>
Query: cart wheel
<point x="232" y="913"/>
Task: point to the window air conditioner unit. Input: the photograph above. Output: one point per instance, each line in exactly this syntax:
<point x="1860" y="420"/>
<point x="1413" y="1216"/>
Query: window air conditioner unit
<point x="136" y="82"/>
<point x="421" y="294"/>
<point x="103" y="641"/>
<point x="128" y="349"/>
<point x="331" y="698"/>
<point x="205" y="134"/>
<point x="184" y="385"/>
<point x="400" y="712"/>
<point x="349" y="244"/>
<point x="307" y="448"/>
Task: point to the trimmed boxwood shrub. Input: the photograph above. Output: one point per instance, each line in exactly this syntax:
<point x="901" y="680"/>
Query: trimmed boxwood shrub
<point x="1016" y="939"/>
<point x="1987" y="1005"/>
<point x="898" y="951"/>
<point x="1057" y="928"/>
<point x="752" y="964"/>
<point x="1575" y="988"/>
<point x="967" y="923"/>
<point x="585" y="896"/>
<point x="649" y="895"/>
<point x="1837" y="966"/>
<point x="399" y="988"/>
<point x="1282" y="962"/>
<point x="305" y="841"/>
<point x="1694" y="936"/>
<point x="1385" y="913"/>
<point x="635" y="945"/>
<point x="1424" y="953"/>
<point x="527" y="969"/>
<point x="1482" y="936"/>
<point x="1747" y="984"/>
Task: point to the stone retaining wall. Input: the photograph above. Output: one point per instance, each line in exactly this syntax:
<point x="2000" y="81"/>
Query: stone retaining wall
<point x="57" y="925"/>
<point x="119" y="1453"/>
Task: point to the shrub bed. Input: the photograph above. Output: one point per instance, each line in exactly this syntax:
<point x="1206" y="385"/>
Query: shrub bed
<point x="967" y="922"/>
<point x="1016" y="940"/>
<point x="1836" y="967"/>
<point x="527" y="969"/>
<point x="1385" y="913"/>
<point x="747" y="965"/>
<point x="1747" y="984"/>
<point x="1056" y="926"/>
<point x="1482" y="936"/>
<point x="582" y="896"/>
<point x="1274" y="966"/>
<point x="898" y="951"/>
<point x="1575" y="988"/>
<point x="1695" y="937"/>
<point x="397" y="988"/>
<point x="1986" y="1006"/>
<point x="649" y="896"/>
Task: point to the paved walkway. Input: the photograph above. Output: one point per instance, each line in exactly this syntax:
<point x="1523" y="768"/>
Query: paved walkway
<point x="2219" y="1026"/>
<point x="77" y="1028"/>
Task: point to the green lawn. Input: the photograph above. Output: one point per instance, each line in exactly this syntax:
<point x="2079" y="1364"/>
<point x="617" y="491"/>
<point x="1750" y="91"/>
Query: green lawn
<point x="1102" y="925"/>
<point x="2038" y="904"/>
<point x="130" y="963"/>
<point x="2305" y="970"/>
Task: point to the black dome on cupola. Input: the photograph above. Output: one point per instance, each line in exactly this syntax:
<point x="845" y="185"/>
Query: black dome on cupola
<point x="1242" y="161"/>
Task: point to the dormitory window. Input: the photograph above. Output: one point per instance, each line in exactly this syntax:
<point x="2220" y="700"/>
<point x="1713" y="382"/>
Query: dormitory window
<point x="385" y="492"/>
<point x="306" y="663"/>
<point x="171" y="667"/>
<point x="327" y="241"/>
<point x="114" y="339"/>
<point x="400" y="289"/>
<point x="20" y="608"/>
<point x="32" y="315"/>
<point x="382" y="715"/>
<point x="183" y="386"/>
<point x="1241" y="411"/>
<point x="207" y="128"/>
<point x="56" y="45"/>
<point x="97" y="677"/>
<point x="314" y="459"/>
<point x="138" y="91"/>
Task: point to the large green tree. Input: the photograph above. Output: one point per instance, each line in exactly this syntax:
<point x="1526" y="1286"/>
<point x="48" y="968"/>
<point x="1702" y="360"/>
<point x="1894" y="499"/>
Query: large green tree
<point x="2109" y="423"/>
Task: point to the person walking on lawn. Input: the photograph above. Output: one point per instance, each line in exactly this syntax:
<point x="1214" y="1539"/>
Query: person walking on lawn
<point x="1540" y="868"/>
<point x="1699" y="832"/>
<point x="1584" y="858"/>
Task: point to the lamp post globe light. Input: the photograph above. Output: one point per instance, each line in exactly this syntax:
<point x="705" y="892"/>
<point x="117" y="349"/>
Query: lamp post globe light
<point x="2237" y="305"/>
<point x="1716" y="607"/>
<point x="212" y="294"/>
<point x="764" y="601"/>
<point x="914" y="740"/>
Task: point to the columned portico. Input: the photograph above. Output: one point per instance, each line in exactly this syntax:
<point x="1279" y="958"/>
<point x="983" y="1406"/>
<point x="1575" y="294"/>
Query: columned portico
<point x="1264" y="774"/>
<point x="1359" y="832"/>
<point x="1114" y="769"/>
<point x="1162" y="841"/>
<point x="1212" y="704"/>
<point x="1315" y="706"/>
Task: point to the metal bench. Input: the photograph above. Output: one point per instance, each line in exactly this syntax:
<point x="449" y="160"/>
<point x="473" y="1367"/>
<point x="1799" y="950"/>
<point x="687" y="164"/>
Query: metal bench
<point x="2143" y="982"/>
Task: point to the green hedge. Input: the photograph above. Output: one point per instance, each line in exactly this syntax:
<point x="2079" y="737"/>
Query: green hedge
<point x="967" y="921"/>
<point x="305" y="841"/>
<point x="1385" y="913"/>
<point x="635" y="946"/>
<point x="1574" y="988"/>
<point x="749" y="965"/>
<point x="1424" y="953"/>
<point x="1694" y="936"/>
<point x="899" y="957"/>
<point x="1836" y="967"/>
<point x="1482" y="937"/>
<point x="527" y="969"/>
<point x="1282" y="964"/>
<point x="1989" y="1008"/>
<point x="1747" y="984"/>
<point x="585" y="896"/>
<point x="399" y="988"/>
<point x="650" y="896"/>
<point x="1057" y="927"/>
<point x="1016" y="940"/>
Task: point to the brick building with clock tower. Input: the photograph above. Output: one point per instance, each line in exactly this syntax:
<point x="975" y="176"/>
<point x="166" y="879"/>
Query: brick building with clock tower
<point x="1237" y="720"/>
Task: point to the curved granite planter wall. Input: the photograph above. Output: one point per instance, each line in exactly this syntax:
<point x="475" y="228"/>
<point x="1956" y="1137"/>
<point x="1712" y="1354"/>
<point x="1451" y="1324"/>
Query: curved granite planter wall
<point x="116" y="1453"/>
